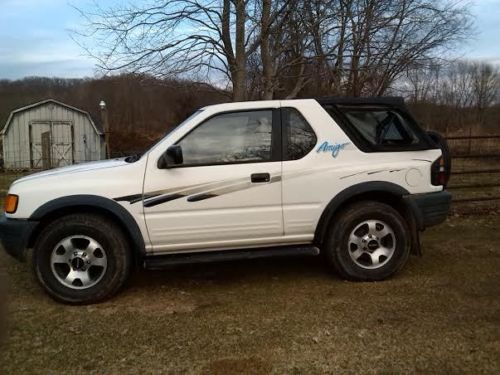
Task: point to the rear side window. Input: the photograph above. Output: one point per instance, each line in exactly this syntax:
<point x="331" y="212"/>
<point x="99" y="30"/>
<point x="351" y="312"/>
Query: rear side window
<point x="300" y="137"/>
<point x="383" y="127"/>
<point x="379" y="128"/>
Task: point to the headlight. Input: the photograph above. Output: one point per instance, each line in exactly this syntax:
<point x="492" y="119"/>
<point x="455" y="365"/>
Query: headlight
<point x="10" y="203"/>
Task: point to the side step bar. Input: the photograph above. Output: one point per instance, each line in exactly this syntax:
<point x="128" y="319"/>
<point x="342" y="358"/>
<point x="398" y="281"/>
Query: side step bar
<point x="161" y="261"/>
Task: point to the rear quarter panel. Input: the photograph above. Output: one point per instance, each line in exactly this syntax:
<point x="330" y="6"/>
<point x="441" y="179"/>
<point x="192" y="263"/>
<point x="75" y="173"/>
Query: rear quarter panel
<point x="335" y="164"/>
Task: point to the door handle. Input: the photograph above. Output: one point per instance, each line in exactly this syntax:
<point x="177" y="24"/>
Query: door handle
<point x="260" y="177"/>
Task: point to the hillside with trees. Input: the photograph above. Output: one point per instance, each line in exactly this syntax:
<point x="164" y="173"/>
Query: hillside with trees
<point x="457" y="98"/>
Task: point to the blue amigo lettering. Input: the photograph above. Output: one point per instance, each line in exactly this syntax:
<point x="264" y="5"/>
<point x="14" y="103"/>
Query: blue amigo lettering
<point x="334" y="148"/>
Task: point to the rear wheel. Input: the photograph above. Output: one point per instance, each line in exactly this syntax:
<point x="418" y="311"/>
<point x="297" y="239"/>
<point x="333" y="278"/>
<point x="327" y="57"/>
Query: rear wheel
<point x="81" y="259"/>
<point x="368" y="241"/>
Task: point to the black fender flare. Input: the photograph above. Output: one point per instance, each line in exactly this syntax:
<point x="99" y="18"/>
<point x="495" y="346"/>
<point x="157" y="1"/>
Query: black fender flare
<point x="352" y="191"/>
<point x="98" y="203"/>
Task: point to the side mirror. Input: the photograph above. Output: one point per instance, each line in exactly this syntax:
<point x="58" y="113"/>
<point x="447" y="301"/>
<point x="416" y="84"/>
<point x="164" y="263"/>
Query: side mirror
<point x="171" y="157"/>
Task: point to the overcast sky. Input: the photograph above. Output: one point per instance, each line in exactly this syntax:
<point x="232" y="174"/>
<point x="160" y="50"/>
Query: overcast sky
<point x="35" y="38"/>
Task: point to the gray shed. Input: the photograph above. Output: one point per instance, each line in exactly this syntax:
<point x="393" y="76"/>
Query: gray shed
<point x="50" y="134"/>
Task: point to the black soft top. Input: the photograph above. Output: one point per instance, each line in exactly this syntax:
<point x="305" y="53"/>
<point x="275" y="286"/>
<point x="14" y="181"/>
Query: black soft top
<point x="393" y="101"/>
<point x="337" y="107"/>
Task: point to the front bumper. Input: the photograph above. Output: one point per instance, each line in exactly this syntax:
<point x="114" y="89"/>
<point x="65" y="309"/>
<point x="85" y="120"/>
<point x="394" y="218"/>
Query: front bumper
<point x="430" y="208"/>
<point x="14" y="236"/>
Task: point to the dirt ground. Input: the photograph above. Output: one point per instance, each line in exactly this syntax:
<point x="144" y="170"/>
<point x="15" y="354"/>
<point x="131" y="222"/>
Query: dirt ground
<point x="441" y="314"/>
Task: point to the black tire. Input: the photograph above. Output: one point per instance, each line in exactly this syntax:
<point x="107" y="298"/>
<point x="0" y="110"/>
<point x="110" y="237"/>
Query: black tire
<point x="338" y="247"/>
<point x="115" y="248"/>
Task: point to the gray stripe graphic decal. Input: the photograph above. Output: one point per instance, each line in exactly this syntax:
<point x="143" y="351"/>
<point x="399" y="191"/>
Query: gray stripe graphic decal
<point x="209" y="190"/>
<point x="199" y="192"/>
<point x="201" y="197"/>
<point x="194" y="193"/>
<point x="177" y="190"/>
<point x="129" y="198"/>
<point x="162" y="199"/>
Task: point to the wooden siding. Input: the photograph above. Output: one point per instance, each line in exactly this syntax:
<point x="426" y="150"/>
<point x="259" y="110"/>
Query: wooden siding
<point x="87" y="144"/>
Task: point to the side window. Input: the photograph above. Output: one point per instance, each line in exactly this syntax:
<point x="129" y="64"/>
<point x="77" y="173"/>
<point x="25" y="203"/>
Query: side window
<point x="381" y="127"/>
<point x="300" y="137"/>
<point x="230" y="138"/>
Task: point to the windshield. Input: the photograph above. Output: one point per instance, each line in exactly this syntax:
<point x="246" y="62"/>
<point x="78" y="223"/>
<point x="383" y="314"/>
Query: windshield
<point x="134" y="158"/>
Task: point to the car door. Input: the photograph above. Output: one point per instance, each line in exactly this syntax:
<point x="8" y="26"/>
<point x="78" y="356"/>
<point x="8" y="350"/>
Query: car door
<point x="227" y="191"/>
<point x="303" y="179"/>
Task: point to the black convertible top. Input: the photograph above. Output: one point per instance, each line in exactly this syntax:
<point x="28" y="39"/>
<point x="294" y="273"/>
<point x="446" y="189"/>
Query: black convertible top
<point x="394" y="101"/>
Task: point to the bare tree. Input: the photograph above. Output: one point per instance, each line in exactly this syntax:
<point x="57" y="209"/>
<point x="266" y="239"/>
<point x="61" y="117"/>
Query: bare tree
<point x="421" y="83"/>
<point x="462" y="92"/>
<point x="365" y="45"/>
<point x="199" y="39"/>
<point x="357" y="47"/>
<point x="283" y="52"/>
<point x="459" y="84"/>
<point x="172" y="38"/>
<point x="485" y="87"/>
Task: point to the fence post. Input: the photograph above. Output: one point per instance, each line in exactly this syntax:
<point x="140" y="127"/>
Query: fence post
<point x="470" y="140"/>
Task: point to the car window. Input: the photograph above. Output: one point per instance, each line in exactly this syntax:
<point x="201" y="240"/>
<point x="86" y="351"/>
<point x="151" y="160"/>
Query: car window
<point x="176" y="128"/>
<point x="301" y="138"/>
<point x="381" y="127"/>
<point x="230" y="138"/>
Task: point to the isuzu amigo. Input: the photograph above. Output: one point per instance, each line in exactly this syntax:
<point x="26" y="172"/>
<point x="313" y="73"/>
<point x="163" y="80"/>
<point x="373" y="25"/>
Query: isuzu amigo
<point x="353" y="180"/>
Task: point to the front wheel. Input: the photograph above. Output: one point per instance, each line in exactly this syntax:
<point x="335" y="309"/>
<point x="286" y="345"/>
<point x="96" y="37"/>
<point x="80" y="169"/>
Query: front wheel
<point x="368" y="241"/>
<point x="81" y="259"/>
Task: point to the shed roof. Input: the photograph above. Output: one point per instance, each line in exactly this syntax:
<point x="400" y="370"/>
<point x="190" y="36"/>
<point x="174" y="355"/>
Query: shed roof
<point x="97" y="125"/>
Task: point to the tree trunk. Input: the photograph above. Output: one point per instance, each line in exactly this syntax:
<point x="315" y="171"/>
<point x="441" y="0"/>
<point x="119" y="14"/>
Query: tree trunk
<point x="267" y="68"/>
<point x="239" y="71"/>
<point x="299" y="84"/>
<point x="335" y="85"/>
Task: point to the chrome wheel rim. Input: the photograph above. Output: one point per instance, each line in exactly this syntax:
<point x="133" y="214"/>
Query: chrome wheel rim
<point x="372" y="244"/>
<point x="78" y="262"/>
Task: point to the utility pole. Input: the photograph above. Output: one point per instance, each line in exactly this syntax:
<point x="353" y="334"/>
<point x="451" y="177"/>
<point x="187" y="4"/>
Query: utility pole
<point x="105" y="123"/>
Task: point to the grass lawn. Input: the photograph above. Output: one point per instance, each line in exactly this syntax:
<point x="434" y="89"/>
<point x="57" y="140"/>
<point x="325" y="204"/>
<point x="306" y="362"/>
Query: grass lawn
<point x="441" y="314"/>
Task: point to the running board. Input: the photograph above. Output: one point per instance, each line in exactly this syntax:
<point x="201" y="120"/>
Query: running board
<point x="161" y="261"/>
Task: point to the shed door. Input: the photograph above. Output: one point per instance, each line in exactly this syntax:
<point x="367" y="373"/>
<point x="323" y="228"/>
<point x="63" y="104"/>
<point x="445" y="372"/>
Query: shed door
<point x="36" y="149"/>
<point x="61" y="139"/>
<point x="62" y="144"/>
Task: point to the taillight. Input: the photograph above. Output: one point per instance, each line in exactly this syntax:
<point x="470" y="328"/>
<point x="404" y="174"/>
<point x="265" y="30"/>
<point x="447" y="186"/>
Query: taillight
<point x="439" y="175"/>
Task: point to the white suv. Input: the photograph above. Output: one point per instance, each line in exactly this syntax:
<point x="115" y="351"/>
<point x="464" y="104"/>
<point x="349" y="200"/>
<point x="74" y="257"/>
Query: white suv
<point x="353" y="179"/>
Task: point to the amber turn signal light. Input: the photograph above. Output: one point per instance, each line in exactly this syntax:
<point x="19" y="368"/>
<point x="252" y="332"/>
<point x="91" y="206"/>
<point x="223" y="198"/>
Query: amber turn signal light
<point x="10" y="204"/>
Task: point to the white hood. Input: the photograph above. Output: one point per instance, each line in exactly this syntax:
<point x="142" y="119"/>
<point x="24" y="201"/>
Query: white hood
<point x="97" y="165"/>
